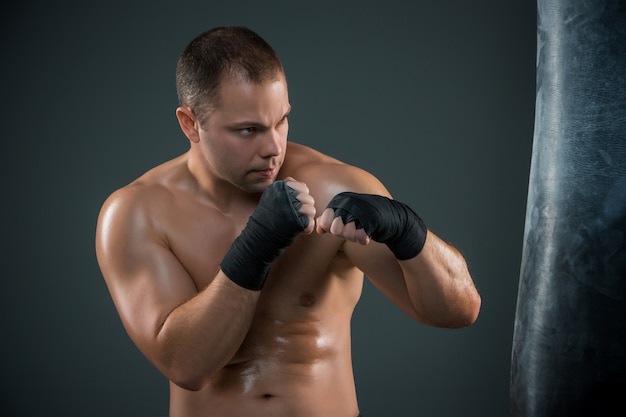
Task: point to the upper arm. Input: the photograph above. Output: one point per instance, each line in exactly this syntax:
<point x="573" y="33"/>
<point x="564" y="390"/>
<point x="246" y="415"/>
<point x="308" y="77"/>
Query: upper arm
<point x="144" y="278"/>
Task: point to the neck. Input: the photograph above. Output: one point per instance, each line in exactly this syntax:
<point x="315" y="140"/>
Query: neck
<point x="219" y="192"/>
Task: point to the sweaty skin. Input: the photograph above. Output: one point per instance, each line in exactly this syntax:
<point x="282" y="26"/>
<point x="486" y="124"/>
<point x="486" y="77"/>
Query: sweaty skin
<point x="283" y="351"/>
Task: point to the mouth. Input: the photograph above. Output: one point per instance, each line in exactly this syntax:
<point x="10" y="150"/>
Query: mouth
<point x="266" y="173"/>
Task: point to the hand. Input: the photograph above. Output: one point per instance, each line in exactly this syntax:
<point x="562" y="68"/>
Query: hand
<point x="307" y="203"/>
<point x="328" y="222"/>
<point x="285" y="210"/>
<point x="360" y="217"/>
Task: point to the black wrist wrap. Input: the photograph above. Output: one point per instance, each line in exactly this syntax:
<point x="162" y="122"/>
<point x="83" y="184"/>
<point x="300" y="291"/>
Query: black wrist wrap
<point x="272" y="227"/>
<point x="384" y="220"/>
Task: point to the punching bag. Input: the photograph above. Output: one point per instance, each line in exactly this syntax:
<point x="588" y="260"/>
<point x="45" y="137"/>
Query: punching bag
<point x="569" y="342"/>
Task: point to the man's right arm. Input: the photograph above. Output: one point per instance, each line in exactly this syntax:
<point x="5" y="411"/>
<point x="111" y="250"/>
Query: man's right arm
<point x="187" y="334"/>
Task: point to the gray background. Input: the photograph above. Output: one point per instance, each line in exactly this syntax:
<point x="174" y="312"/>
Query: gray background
<point x="435" y="98"/>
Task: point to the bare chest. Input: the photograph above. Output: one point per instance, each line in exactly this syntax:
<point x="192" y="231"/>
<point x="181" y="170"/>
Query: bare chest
<point x="200" y="237"/>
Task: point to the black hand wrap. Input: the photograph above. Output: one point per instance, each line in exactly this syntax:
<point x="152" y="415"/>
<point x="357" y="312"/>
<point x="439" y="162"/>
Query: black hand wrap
<point x="384" y="220"/>
<point x="272" y="227"/>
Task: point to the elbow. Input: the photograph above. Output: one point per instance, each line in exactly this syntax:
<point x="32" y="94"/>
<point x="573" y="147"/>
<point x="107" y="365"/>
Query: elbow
<point x="466" y="320"/>
<point x="458" y="321"/>
<point x="475" y="310"/>
<point x="185" y="374"/>
<point x="189" y="379"/>
<point x="189" y="383"/>
<point x="457" y="316"/>
<point x="466" y="309"/>
<point x="180" y="366"/>
<point x="468" y="314"/>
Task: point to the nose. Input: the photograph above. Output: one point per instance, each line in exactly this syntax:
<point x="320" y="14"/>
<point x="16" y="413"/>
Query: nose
<point x="273" y="143"/>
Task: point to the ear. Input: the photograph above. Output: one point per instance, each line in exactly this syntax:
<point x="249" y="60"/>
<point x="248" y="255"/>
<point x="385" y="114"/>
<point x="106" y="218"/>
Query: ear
<point x="187" y="122"/>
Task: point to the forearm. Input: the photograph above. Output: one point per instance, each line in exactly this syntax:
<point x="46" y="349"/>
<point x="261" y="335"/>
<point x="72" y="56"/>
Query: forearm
<point x="434" y="285"/>
<point x="202" y="335"/>
<point x="440" y="286"/>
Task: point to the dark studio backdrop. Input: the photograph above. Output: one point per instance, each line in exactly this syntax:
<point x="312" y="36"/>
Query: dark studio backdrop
<point x="434" y="98"/>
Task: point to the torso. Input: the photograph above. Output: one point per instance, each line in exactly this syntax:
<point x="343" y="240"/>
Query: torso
<point x="296" y="357"/>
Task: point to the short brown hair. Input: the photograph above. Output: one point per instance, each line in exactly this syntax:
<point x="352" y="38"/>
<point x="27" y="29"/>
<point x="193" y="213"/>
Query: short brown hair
<point x="212" y="55"/>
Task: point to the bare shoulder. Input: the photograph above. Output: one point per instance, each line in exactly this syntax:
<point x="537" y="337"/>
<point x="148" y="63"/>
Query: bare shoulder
<point x="133" y="209"/>
<point x="131" y="205"/>
<point x="153" y="186"/>
<point x="327" y="176"/>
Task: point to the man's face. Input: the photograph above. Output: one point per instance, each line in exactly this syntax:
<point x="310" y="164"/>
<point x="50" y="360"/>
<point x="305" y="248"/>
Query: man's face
<point x="245" y="138"/>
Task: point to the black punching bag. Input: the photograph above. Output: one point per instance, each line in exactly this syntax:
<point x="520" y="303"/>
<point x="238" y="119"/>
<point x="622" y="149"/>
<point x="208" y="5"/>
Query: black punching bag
<point x="569" y="344"/>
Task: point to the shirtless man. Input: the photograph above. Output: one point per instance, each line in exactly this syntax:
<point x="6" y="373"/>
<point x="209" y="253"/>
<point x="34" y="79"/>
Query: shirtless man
<point x="221" y="272"/>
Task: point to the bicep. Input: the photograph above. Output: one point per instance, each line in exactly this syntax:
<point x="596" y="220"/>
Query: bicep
<point x="146" y="281"/>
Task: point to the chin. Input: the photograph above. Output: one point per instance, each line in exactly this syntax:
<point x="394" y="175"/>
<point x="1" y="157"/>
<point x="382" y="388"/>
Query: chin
<point x="257" y="187"/>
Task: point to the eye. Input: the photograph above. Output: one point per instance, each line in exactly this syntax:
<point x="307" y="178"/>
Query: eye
<point x="248" y="131"/>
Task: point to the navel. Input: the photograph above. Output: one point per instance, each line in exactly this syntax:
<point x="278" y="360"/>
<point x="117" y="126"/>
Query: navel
<point x="307" y="300"/>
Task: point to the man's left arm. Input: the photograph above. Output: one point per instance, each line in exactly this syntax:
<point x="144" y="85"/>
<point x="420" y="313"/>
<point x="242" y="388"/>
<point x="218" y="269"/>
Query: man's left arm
<point x="422" y="274"/>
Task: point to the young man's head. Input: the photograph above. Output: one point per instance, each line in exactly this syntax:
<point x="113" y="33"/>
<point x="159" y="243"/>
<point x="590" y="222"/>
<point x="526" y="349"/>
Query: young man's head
<point x="232" y="53"/>
<point x="234" y="107"/>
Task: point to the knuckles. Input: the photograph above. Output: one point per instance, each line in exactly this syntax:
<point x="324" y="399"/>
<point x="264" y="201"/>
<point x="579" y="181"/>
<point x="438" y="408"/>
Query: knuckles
<point x="329" y="223"/>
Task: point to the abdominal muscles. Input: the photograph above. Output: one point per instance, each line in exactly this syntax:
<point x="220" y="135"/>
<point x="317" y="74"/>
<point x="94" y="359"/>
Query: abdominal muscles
<point x="282" y="369"/>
